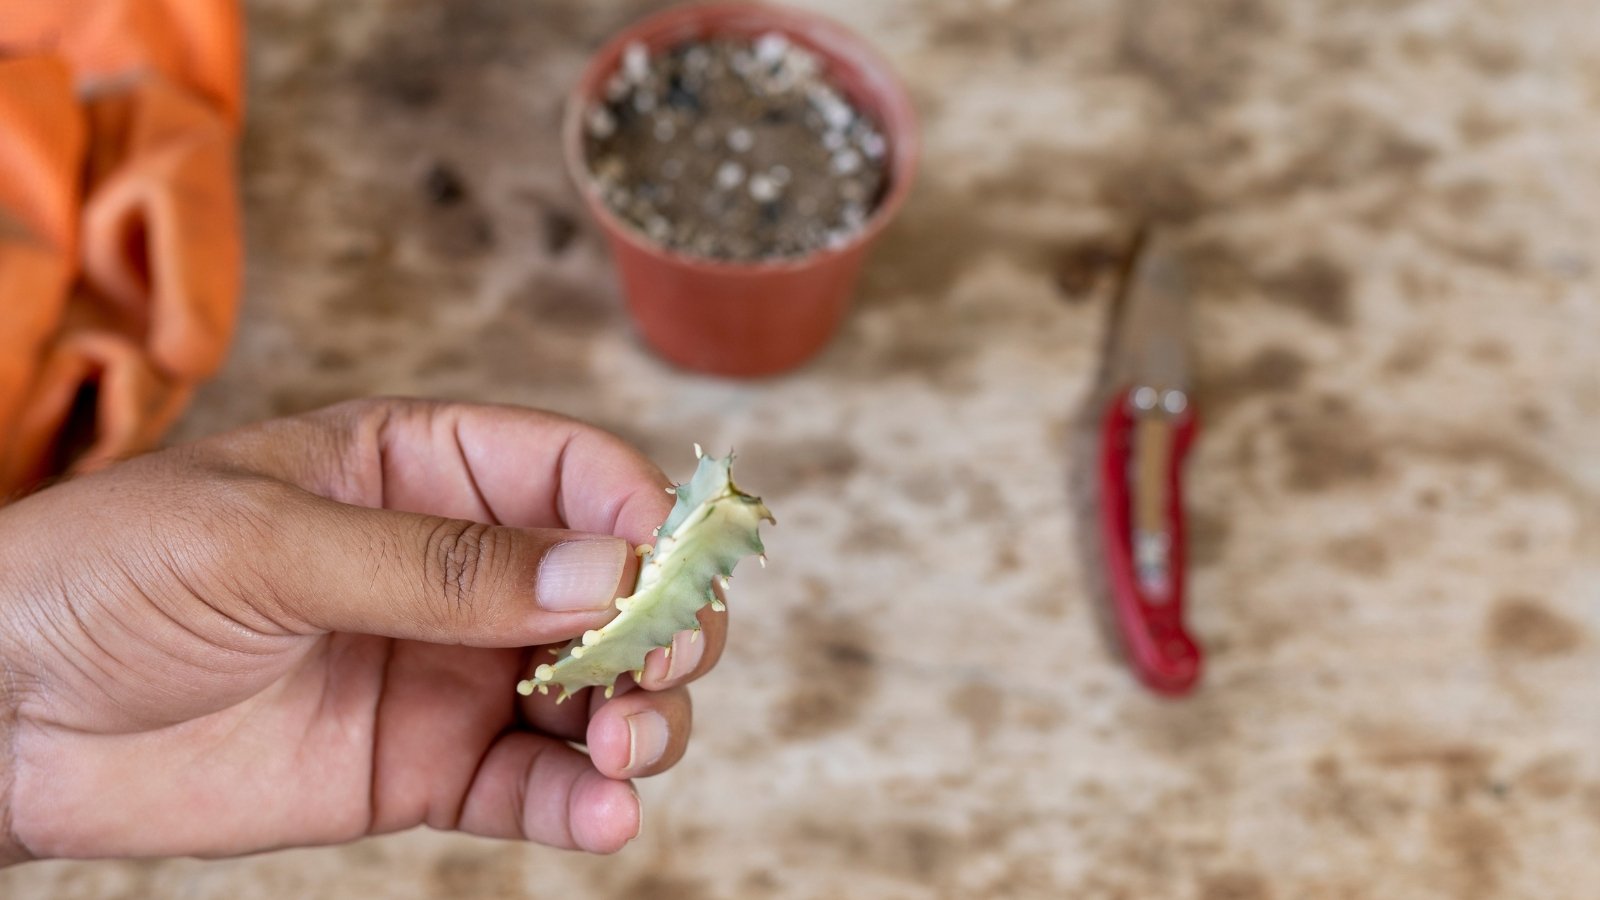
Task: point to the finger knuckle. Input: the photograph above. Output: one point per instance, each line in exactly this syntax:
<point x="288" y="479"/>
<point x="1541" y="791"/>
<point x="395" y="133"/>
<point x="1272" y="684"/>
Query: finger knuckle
<point x="462" y="558"/>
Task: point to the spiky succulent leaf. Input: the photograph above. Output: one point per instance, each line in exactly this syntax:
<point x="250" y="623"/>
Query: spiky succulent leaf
<point x="712" y="526"/>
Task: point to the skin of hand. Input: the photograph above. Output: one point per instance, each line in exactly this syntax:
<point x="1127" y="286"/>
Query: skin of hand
<point x="310" y="630"/>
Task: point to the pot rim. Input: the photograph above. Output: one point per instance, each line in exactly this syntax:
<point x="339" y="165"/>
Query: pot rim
<point x="836" y="44"/>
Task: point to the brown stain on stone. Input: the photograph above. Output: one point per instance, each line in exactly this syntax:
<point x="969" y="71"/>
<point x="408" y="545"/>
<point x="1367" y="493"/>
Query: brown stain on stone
<point x="1366" y="555"/>
<point x="1409" y="358"/>
<point x="1479" y="126"/>
<point x="459" y="235"/>
<point x="1040" y="715"/>
<point x="1514" y="540"/>
<point x="1489" y="352"/>
<point x="833" y="670"/>
<point x="108" y="880"/>
<point x="907" y="851"/>
<point x="870" y="535"/>
<point x="1472" y="849"/>
<point x="1591" y="803"/>
<point x="1274" y="369"/>
<point x="373" y="286"/>
<point x="1196" y="56"/>
<point x="333" y="359"/>
<point x="761" y="883"/>
<point x="1462" y="769"/>
<point x="924" y="490"/>
<point x="1523" y="468"/>
<point x="920" y="852"/>
<point x="1468" y="199"/>
<point x="446" y="360"/>
<point x="1522" y="627"/>
<point x="559" y="228"/>
<point x="1325" y="452"/>
<point x="1187" y="730"/>
<point x="1208" y="532"/>
<point x="1007" y="559"/>
<point x="1081" y="268"/>
<point x="656" y="886"/>
<point x="1219" y="270"/>
<point x="947" y="227"/>
<point x="1342" y="52"/>
<point x="1151" y="189"/>
<point x="1339" y="147"/>
<point x="292" y="400"/>
<point x="1497" y="59"/>
<point x="1024" y="876"/>
<point x="554" y="303"/>
<point x="798" y="466"/>
<point x="1478" y="849"/>
<point x="509" y="350"/>
<point x="1362" y="808"/>
<point x="932" y="241"/>
<point x="454" y="224"/>
<point x="435" y="56"/>
<point x="497" y="873"/>
<point x="980" y="706"/>
<point x="933" y="354"/>
<point x="1316" y="287"/>
<point x="1504" y="252"/>
<point x="1019" y="33"/>
<point x="1534" y="416"/>
<point x="1234" y="885"/>
<point x="1550" y="778"/>
<point x="984" y="502"/>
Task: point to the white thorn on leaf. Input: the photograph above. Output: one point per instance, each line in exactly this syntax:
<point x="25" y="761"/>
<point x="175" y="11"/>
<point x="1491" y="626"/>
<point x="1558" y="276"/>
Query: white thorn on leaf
<point x="763" y="560"/>
<point x="544" y="690"/>
<point x="543" y="673"/>
<point x="718" y="606"/>
<point x="553" y="651"/>
<point x="577" y="652"/>
<point x="591" y="637"/>
<point x="611" y="690"/>
<point x="525" y="688"/>
<point x="673" y="489"/>
<point x="644" y="550"/>
<point x="698" y="451"/>
<point x="694" y="635"/>
<point x="725" y="580"/>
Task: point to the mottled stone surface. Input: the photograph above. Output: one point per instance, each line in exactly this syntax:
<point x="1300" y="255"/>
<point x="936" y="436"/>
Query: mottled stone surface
<point x="1396" y="497"/>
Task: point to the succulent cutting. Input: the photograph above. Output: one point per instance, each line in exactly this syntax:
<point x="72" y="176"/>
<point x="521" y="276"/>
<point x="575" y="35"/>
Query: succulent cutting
<point x="712" y="526"/>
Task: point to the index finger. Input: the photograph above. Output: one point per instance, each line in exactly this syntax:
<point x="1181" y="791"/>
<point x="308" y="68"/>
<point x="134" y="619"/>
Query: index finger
<point x="503" y="465"/>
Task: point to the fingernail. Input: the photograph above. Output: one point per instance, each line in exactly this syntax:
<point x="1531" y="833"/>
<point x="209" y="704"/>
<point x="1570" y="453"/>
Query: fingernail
<point x="687" y="648"/>
<point x="647" y="738"/>
<point x="581" y="575"/>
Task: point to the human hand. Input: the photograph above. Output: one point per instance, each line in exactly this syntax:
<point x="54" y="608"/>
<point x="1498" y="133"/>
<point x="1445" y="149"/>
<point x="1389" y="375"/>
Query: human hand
<point x="304" y="632"/>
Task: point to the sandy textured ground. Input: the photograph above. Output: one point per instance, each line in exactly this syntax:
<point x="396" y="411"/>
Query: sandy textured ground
<point x="1396" y="500"/>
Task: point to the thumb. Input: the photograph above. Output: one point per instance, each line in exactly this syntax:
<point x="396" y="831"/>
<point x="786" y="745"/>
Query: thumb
<point x="446" y="581"/>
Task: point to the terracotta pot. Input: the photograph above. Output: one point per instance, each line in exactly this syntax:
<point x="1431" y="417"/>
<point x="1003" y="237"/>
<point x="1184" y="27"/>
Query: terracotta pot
<point x="746" y="319"/>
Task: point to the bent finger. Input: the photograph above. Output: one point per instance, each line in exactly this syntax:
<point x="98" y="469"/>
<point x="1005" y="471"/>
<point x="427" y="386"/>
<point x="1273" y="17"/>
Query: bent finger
<point x="538" y="789"/>
<point x="692" y="654"/>
<point x="640" y="733"/>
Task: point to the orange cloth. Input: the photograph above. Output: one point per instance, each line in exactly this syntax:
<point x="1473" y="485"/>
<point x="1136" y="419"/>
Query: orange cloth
<point x="119" y="223"/>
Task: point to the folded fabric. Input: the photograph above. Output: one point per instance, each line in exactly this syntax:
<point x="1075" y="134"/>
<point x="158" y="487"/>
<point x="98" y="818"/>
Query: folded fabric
<point x="119" y="224"/>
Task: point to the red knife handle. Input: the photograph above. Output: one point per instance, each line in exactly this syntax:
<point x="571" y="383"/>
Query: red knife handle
<point x="1160" y="650"/>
